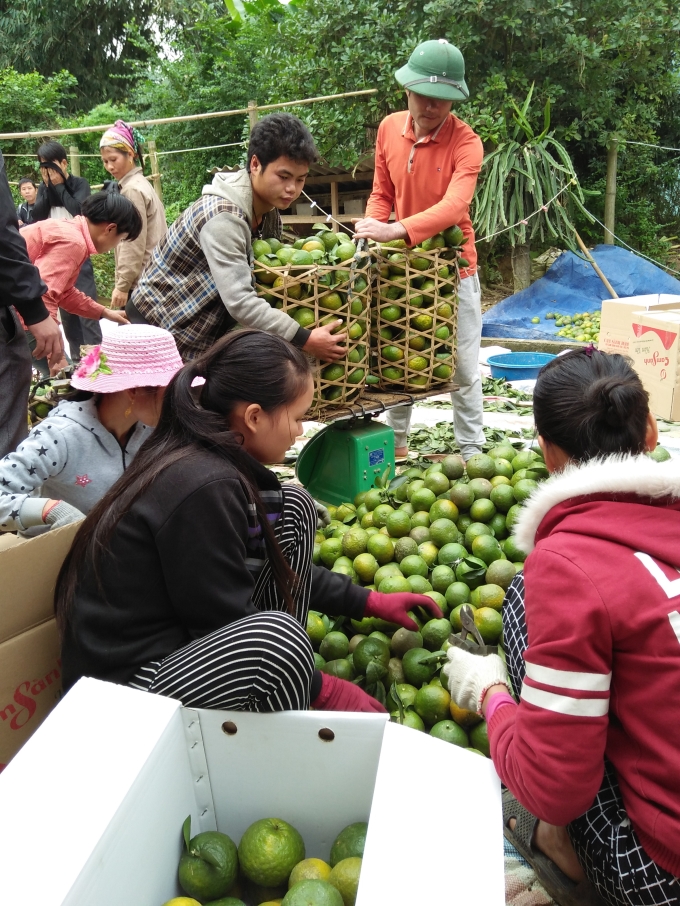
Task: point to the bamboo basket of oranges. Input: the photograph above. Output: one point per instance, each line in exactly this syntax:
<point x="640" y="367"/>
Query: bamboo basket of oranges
<point x="320" y="279"/>
<point x="414" y="312"/>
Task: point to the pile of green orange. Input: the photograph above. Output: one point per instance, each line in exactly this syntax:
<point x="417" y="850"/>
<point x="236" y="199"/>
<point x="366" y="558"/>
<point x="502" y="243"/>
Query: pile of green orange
<point x="583" y="326"/>
<point x="318" y="280"/>
<point x="443" y="531"/>
<point x="46" y="395"/>
<point x="268" y="868"/>
<point x="414" y="310"/>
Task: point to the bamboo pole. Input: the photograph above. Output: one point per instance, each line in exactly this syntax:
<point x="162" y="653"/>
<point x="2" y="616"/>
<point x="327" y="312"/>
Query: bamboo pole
<point x="74" y="157"/>
<point x="252" y="113"/>
<point x="335" y="204"/>
<point x="141" y="124"/>
<point x="610" y="193"/>
<point x="610" y="289"/>
<point x="155" y="170"/>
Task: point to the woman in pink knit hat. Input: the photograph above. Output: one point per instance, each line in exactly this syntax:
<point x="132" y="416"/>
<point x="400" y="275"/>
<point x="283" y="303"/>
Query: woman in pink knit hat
<point x="70" y="460"/>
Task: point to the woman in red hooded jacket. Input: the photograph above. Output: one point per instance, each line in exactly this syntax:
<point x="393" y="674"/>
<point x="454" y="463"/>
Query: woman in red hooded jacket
<point x="591" y="753"/>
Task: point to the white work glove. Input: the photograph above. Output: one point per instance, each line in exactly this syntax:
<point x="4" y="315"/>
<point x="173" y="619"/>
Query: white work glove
<point x="63" y="514"/>
<point x="324" y="517"/>
<point x="469" y="677"/>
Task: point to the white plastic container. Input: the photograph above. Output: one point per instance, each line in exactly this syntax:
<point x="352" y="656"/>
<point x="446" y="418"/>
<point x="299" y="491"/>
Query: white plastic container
<point x="93" y="804"/>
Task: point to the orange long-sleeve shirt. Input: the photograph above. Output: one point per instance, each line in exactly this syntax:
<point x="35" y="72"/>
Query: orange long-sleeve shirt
<point x="429" y="183"/>
<point x="58" y="248"/>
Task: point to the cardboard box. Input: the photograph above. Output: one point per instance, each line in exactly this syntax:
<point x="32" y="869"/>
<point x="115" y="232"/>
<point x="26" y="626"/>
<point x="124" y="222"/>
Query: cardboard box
<point x="616" y="324"/>
<point x="654" y="350"/>
<point x="30" y="670"/>
<point x="93" y="804"/>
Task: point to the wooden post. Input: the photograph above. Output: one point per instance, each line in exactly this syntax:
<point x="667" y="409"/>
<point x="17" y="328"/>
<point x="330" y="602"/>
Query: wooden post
<point x="252" y="113"/>
<point x="335" y="205"/>
<point x="74" y="159"/>
<point x="610" y="193"/>
<point x="155" y="171"/>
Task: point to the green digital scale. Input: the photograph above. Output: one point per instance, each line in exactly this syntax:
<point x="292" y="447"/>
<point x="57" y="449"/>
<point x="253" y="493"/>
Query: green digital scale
<point x="345" y="458"/>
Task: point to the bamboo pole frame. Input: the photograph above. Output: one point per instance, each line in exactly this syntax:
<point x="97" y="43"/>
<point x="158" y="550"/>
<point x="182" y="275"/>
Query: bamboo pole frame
<point x="610" y="193"/>
<point x="249" y="110"/>
<point x="155" y="169"/>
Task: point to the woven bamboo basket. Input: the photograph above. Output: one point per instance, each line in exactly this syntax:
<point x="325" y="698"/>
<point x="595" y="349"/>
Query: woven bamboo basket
<point x="414" y="315"/>
<point x="315" y="295"/>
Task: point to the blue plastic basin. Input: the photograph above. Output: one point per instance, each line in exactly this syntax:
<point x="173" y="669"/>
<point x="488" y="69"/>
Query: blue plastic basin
<point x="518" y="366"/>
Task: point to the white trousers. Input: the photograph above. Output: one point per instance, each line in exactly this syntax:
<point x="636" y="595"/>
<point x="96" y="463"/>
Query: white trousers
<point x="467" y="401"/>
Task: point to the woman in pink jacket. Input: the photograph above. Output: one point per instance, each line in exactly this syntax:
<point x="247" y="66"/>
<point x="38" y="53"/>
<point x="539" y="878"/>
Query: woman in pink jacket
<point x="591" y="753"/>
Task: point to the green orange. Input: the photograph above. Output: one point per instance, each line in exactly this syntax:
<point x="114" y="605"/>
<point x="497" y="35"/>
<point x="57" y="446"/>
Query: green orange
<point x="381" y="546"/>
<point x="480" y="466"/>
<point x="422" y="499"/>
<point x="450" y="731"/>
<point x="443" y="508"/>
<point x="398" y="524"/>
<point x="432" y="704"/>
<point x="269" y="850"/>
<point x="482" y="510"/>
<point x="487" y="549"/>
<point x="456" y="595"/>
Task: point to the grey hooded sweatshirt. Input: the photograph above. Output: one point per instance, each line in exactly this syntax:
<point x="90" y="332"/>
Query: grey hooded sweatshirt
<point x="69" y="456"/>
<point x="226" y="241"/>
<point x="199" y="282"/>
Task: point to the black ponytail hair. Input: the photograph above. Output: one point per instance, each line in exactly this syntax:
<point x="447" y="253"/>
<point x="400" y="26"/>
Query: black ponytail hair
<point x="246" y="365"/>
<point x="590" y="403"/>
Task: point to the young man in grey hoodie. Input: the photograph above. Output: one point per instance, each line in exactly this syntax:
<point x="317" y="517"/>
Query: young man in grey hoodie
<point x="199" y="283"/>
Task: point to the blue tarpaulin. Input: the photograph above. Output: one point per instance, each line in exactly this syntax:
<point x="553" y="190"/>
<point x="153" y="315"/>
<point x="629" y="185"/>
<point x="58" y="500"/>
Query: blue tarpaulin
<point x="572" y="285"/>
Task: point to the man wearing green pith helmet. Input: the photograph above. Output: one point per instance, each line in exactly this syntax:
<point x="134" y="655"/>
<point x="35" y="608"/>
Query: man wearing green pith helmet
<point x="426" y="167"/>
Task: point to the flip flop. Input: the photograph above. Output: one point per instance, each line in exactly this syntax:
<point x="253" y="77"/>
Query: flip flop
<point x="562" y="889"/>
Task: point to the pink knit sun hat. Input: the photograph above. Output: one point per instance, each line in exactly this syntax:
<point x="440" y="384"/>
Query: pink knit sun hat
<point x="134" y="355"/>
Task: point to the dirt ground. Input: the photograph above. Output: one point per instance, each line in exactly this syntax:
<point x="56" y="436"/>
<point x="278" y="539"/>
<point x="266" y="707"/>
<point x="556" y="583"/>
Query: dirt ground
<point x="492" y="295"/>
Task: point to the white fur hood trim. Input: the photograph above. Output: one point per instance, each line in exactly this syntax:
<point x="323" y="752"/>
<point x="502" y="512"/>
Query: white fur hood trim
<point x="616" y="474"/>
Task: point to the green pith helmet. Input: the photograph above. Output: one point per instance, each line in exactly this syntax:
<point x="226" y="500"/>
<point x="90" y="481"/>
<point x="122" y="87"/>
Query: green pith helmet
<point x="437" y="70"/>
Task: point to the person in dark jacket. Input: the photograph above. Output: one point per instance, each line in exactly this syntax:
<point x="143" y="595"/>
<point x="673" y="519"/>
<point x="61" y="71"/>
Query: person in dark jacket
<point x="21" y="287"/>
<point x="60" y="197"/>
<point x="193" y="576"/>
<point x="29" y="193"/>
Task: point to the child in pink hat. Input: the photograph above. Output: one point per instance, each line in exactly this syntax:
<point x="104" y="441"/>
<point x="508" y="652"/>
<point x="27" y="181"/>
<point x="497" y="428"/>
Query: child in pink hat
<point x="70" y="460"/>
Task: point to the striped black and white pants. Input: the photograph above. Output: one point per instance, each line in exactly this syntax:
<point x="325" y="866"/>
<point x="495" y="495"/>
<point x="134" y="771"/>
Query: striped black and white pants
<point x="263" y="662"/>
<point x="604" y="840"/>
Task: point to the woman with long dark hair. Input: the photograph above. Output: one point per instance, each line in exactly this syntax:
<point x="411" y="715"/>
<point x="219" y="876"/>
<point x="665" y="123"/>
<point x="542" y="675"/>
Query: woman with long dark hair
<point x="193" y="577"/>
<point x="592" y="634"/>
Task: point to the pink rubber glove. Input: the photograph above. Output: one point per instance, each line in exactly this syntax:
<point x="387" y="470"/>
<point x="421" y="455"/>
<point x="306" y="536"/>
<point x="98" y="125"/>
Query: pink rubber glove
<point x="394" y="607"/>
<point x="340" y="695"/>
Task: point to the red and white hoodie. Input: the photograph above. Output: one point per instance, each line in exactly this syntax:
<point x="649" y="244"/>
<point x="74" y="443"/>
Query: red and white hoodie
<point x="602" y="595"/>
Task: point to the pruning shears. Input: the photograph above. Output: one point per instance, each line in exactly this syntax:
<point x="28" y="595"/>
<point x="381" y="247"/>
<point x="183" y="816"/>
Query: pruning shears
<point x="469" y="628"/>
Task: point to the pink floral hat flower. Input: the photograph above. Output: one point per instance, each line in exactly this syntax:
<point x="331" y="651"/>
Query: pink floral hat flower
<point x="134" y="355"/>
<point x="93" y="364"/>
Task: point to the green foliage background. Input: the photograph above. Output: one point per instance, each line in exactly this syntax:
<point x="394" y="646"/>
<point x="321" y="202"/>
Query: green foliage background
<point x="609" y="70"/>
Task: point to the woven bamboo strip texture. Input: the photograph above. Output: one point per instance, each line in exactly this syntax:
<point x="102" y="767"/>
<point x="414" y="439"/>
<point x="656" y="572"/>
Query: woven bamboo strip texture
<point x="316" y="295"/>
<point x="415" y="307"/>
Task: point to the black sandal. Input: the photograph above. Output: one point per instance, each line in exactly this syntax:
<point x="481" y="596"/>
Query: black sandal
<point x="562" y="889"/>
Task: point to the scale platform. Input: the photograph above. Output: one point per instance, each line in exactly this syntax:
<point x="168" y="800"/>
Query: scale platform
<point x="346" y="456"/>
